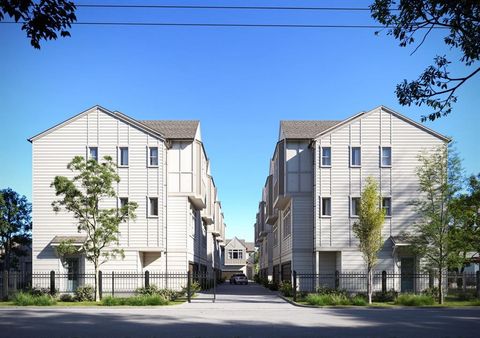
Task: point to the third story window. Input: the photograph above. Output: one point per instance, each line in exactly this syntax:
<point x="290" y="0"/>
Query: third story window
<point x="386" y="156"/>
<point x="93" y="153"/>
<point x="387" y="205"/>
<point x="355" y="209"/>
<point x="355" y="154"/>
<point x="326" y="206"/>
<point x="153" y="156"/>
<point x="153" y="207"/>
<point x="326" y="156"/>
<point x="124" y="156"/>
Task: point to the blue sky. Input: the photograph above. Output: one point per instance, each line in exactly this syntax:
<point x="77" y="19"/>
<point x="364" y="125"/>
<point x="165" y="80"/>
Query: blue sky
<point x="240" y="82"/>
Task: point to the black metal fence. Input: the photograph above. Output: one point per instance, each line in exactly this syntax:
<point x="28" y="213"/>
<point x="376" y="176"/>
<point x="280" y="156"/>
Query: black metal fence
<point x="112" y="283"/>
<point x="356" y="282"/>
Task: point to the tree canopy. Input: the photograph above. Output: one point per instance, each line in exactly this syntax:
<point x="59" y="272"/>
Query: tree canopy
<point x="41" y="20"/>
<point x="460" y="23"/>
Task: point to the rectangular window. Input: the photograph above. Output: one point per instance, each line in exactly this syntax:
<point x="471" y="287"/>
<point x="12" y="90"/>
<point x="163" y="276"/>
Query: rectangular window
<point x="123" y="201"/>
<point x="287" y="223"/>
<point x="355" y="206"/>
<point x="387" y="205"/>
<point x="153" y="156"/>
<point x="386" y="156"/>
<point x="235" y="254"/>
<point x="326" y="206"/>
<point x="123" y="156"/>
<point x="355" y="156"/>
<point x="153" y="206"/>
<point x="326" y="156"/>
<point x="93" y="153"/>
<point x="275" y="236"/>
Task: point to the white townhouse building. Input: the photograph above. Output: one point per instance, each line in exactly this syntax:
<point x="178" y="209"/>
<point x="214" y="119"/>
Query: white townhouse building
<point x="163" y="167"/>
<point x="239" y="258"/>
<point x="311" y="196"/>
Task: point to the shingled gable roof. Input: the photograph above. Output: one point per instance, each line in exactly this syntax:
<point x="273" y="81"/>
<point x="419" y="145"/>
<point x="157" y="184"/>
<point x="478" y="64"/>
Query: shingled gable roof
<point x="305" y="129"/>
<point x="171" y="129"/>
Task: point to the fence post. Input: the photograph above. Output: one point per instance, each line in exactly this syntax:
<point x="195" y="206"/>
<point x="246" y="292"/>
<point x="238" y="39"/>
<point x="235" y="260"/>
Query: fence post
<point x="5" y="284"/>
<point x="52" y="282"/>
<point x="294" y="285"/>
<point x="384" y="281"/>
<point x="147" y="279"/>
<point x="464" y="281"/>
<point x="430" y="279"/>
<point x="113" y="284"/>
<point x="189" y="285"/>
<point x="214" y="284"/>
<point x="100" y="284"/>
<point x="337" y="279"/>
<point x="478" y="284"/>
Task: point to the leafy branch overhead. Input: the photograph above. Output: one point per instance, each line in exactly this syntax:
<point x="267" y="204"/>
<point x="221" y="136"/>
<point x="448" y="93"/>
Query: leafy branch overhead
<point x="411" y="20"/>
<point x="42" y="20"/>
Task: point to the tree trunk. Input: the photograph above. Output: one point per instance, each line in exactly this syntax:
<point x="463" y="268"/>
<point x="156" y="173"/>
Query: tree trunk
<point x="369" y="284"/>
<point x="97" y="291"/>
<point x="440" y="286"/>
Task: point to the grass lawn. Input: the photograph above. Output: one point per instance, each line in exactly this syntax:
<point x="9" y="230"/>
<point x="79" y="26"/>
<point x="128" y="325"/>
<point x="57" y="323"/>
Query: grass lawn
<point x="80" y="304"/>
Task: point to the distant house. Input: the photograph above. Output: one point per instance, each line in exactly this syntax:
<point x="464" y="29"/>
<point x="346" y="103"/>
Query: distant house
<point x="239" y="256"/>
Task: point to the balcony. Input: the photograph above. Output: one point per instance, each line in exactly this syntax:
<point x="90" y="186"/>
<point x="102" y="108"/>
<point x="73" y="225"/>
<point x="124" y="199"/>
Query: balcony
<point x="280" y="199"/>
<point x="271" y="212"/>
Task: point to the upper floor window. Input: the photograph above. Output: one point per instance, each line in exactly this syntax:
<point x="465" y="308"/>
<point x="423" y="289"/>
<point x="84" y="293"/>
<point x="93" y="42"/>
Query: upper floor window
<point x="326" y="156"/>
<point x="355" y="156"/>
<point x="153" y="156"/>
<point x="326" y="206"/>
<point x="387" y="205"/>
<point x="287" y="223"/>
<point x="93" y="153"/>
<point x="235" y="254"/>
<point x="275" y="236"/>
<point x="153" y="206"/>
<point x="355" y="206"/>
<point x="123" y="156"/>
<point x="123" y="201"/>
<point x="386" y="156"/>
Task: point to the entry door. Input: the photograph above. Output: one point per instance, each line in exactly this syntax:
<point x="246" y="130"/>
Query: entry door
<point x="407" y="274"/>
<point x="73" y="270"/>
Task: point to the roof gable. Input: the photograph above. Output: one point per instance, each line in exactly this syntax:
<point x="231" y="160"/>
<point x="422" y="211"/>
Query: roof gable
<point x="304" y="129"/>
<point x="174" y="129"/>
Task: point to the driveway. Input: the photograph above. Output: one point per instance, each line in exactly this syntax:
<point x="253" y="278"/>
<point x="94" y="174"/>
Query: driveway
<point x="239" y="311"/>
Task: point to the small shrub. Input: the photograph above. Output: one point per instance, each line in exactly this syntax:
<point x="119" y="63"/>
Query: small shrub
<point x="25" y="298"/>
<point x="286" y="289"/>
<point x="38" y="291"/>
<point x="359" y="300"/>
<point x="465" y="296"/>
<point x="323" y="290"/>
<point x="147" y="290"/>
<point x="327" y="299"/>
<point x="85" y="293"/>
<point x="388" y="296"/>
<point x="273" y="286"/>
<point x="66" y="297"/>
<point x="432" y="292"/>
<point x="414" y="300"/>
<point x="144" y="300"/>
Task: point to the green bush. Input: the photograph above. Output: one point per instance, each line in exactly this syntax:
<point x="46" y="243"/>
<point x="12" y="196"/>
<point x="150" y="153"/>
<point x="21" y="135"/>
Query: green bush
<point x="144" y="300"/>
<point x="153" y="290"/>
<point x="359" y="300"/>
<point x="38" y="291"/>
<point x="272" y="286"/>
<point x="25" y="298"/>
<point x="67" y="297"/>
<point x="388" y="296"/>
<point x="432" y="292"/>
<point x="286" y="289"/>
<point x="324" y="290"/>
<point x="465" y="296"/>
<point x="85" y="293"/>
<point x="327" y="299"/>
<point x="414" y="300"/>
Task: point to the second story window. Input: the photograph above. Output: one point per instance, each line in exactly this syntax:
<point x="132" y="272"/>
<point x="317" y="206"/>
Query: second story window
<point x="153" y="156"/>
<point x="287" y="223"/>
<point x="153" y="207"/>
<point x="386" y="156"/>
<point x="235" y="254"/>
<point x="355" y="207"/>
<point x="275" y="236"/>
<point x="123" y="156"/>
<point x="326" y="206"/>
<point x="93" y="153"/>
<point x="123" y="201"/>
<point x="387" y="205"/>
<point x="355" y="156"/>
<point x="326" y="156"/>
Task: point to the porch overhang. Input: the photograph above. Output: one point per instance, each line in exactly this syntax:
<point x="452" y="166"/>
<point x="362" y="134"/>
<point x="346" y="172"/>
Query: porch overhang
<point x="398" y="242"/>
<point x="75" y="241"/>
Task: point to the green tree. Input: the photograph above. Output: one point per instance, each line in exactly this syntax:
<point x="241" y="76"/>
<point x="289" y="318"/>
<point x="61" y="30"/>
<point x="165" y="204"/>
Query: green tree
<point x="440" y="179"/>
<point x="15" y="227"/>
<point x="83" y="196"/>
<point x="368" y="229"/>
<point x="458" y="22"/>
<point x="42" y="20"/>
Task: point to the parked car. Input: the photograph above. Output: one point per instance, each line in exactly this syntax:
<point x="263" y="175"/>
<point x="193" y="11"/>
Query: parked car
<point x="239" y="278"/>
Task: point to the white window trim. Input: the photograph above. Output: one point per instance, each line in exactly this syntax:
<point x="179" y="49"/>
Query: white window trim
<point x="321" y="157"/>
<point x="88" y="151"/>
<point x="148" y="207"/>
<point x="350" y="156"/>
<point x="351" y="206"/>
<point x="148" y="157"/>
<point x="119" y="156"/>
<point x="381" y="156"/>
<point x="321" y="207"/>
<point x="391" y="209"/>
<point x="291" y="222"/>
